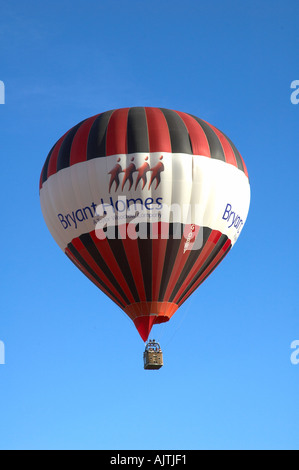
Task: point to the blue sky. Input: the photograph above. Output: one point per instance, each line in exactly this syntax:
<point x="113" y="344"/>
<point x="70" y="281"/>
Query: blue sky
<point x="73" y="375"/>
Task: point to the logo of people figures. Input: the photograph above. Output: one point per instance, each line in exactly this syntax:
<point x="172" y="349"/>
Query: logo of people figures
<point x="141" y="172"/>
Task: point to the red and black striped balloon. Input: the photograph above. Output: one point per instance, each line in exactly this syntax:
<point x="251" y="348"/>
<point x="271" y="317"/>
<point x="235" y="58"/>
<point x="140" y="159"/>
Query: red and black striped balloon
<point x="148" y="278"/>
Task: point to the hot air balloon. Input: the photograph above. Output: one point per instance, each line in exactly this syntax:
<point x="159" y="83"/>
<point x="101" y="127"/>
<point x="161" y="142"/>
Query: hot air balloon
<point x="146" y="202"/>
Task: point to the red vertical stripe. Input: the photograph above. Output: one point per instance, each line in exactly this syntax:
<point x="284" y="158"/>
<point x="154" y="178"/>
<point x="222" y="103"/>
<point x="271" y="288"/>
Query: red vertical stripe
<point x="199" y="141"/>
<point x="116" y="140"/>
<point x="158" y="132"/>
<point x="79" y="144"/>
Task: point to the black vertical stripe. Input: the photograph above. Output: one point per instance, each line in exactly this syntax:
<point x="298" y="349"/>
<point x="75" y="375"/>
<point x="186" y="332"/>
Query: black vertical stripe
<point x="179" y="136"/>
<point x="96" y="146"/>
<point x="214" y="143"/>
<point x="172" y="249"/>
<point x="85" y="265"/>
<point x="96" y="256"/>
<point x="137" y="131"/>
<point x="63" y="159"/>
<point x="146" y="258"/>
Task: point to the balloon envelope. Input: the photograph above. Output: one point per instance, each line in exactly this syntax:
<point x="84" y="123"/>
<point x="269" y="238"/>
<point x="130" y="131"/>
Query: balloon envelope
<point x="146" y="202"/>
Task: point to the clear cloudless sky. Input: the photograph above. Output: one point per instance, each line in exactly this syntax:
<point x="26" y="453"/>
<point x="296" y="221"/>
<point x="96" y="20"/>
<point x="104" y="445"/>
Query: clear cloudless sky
<point x="73" y="376"/>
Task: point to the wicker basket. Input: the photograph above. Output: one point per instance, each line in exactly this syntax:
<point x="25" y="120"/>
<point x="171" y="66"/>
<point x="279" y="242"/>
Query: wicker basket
<point x="153" y="356"/>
